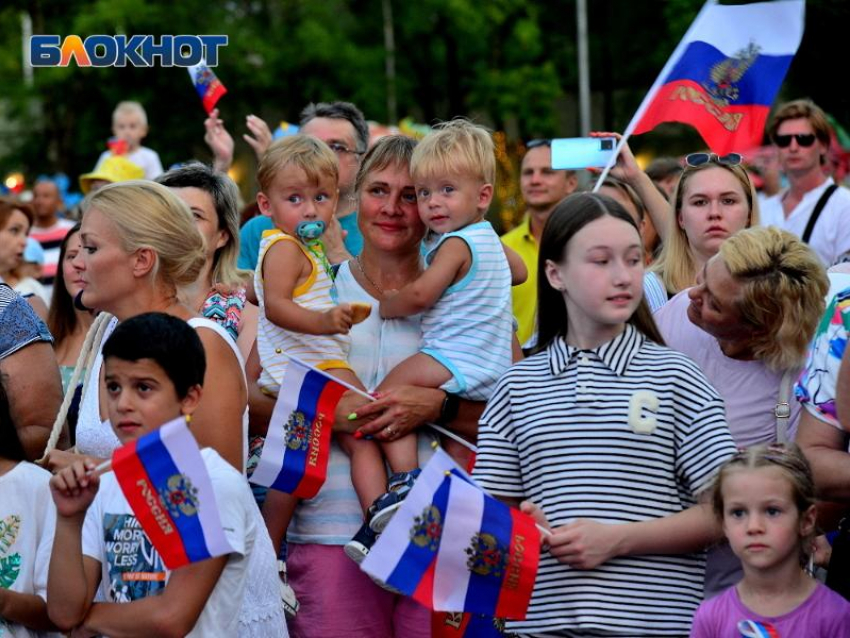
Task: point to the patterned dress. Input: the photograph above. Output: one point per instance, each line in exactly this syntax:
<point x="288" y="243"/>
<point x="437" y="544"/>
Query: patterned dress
<point x="816" y="387"/>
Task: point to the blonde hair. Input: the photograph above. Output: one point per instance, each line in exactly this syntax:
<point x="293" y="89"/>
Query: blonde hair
<point x="149" y="215"/>
<point x="794" y="466"/>
<point x="783" y="285"/>
<point x="130" y="107"/>
<point x="676" y="266"/>
<point x="455" y="147"/>
<point x="306" y="152"/>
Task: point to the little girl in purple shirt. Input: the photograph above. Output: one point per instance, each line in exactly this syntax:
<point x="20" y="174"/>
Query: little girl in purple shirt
<point x="764" y="498"/>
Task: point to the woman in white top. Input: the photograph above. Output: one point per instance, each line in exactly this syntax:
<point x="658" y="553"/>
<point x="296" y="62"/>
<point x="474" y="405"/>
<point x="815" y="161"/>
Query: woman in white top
<point x="140" y="245"/>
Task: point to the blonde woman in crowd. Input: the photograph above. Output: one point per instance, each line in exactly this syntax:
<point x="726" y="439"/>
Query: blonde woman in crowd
<point x="747" y="324"/>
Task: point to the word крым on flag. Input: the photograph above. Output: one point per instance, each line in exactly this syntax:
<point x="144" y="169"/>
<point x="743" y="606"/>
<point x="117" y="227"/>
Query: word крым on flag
<point x="452" y="547"/>
<point x="165" y="480"/>
<point x="295" y="454"/>
<point x="726" y="72"/>
<point x="208" y="86"/>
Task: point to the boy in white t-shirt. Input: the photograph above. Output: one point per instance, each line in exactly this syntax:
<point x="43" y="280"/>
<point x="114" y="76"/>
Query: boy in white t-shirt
<point x="154" y="366"/>
<point x="130" y="124"/>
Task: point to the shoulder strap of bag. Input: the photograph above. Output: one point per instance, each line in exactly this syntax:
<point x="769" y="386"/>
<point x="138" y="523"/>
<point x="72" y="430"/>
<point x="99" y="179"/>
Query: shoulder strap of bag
<point x="782" y="411"/>
<point x="824" y="198"/>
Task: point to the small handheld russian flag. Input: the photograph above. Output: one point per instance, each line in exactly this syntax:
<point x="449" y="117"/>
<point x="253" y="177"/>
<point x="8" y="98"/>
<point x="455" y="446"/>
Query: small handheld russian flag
<point x="295" y="455"/>
<point x="165" y="480"/>
<point x="208" y="86"/>
<point x="453" y="547"/>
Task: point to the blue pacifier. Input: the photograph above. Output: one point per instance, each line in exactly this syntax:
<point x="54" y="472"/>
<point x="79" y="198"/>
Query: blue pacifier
<point x="309" y="231"/>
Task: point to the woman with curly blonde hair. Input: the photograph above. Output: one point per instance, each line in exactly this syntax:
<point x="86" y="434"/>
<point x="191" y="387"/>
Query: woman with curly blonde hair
<point x="747" y="323"/>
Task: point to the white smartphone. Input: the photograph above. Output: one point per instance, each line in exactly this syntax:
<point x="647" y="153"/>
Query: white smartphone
<point x="582" y="152"/>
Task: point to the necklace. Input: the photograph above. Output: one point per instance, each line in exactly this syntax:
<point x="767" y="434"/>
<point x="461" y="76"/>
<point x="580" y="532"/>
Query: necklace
<point x="368" y="278"/>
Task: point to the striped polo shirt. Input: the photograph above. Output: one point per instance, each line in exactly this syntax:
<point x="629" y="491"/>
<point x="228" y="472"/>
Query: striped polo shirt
<point x="625" y="432"/>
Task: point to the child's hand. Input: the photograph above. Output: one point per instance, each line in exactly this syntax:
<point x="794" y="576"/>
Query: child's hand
<point x="338" y="319"/>
<point x="74" y="489"/>
<point x="585" y="544"/>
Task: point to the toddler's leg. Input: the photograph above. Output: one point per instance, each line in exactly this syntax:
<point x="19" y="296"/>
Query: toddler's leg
<point x="367" y="468"/>
<point x="401" y="454"/>
<point x="277" y="513"/>
<point x="418" y="369"/>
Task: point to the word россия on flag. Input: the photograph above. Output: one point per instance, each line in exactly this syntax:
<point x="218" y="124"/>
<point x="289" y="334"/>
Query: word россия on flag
<point x="295" y="454"/>
<point x="208" y="86"/>
<point x="165" y="480"/>
<point x="726" y="72"/>
<point x="452" y="547"/>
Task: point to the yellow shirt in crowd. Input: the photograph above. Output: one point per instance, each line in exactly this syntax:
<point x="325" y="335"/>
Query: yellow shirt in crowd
<point x="525" y="295"/>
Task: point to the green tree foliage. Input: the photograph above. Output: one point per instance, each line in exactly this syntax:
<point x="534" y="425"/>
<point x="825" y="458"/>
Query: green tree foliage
<point x="508" y="63"/>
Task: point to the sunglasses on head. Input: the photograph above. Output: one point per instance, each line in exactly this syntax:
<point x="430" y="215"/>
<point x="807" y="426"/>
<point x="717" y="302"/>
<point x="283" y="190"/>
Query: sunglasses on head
<point x="698" y="159"/>
<point x="803" y="139"/>
<point x="536" y="143"/>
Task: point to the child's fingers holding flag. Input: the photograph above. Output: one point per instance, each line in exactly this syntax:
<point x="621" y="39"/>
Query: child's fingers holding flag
<point x="74" y="488"/>
<point x="585" y="544"/>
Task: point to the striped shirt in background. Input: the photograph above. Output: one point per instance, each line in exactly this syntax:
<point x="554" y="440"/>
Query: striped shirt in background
<point x="50" y="239"/>
<point x="628" y="431"/>
<point x="469" y="329"/>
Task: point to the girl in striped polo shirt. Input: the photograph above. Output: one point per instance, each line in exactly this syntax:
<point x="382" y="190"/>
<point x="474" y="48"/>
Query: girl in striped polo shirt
<point x="608" y="437"/>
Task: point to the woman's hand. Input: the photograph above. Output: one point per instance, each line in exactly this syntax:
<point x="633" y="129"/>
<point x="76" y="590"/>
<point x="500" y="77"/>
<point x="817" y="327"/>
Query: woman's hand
<point x="260" y="136"/>
<point x="334" y="241"/>
<point x="74" y="488"/>
<point x="626" y="167"/>
<point x="585" y="544"/>
<point x="220" y="142"/>
<point x="399" y="411"/>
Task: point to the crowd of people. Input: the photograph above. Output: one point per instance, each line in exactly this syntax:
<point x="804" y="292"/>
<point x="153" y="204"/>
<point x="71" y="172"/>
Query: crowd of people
<point x="656" y="372"/>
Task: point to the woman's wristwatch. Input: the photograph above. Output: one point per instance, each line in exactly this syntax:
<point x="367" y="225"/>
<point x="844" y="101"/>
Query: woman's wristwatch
<point x="449" y="409"/>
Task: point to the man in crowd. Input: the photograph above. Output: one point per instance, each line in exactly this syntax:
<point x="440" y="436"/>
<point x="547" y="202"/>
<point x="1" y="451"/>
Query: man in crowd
<point x="48" y="228"/>
<point x="341" y="126"/>
<point x="542" y="188"/>
<point x="813" y="207"/>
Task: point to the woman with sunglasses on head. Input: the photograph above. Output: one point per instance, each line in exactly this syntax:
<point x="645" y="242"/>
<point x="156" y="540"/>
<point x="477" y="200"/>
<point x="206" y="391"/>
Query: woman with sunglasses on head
<point x="713" y="200"/>
<point x="747" y="324"/>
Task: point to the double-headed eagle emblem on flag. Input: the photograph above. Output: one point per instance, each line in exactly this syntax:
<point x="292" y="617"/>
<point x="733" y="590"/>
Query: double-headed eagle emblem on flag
<point x="179" y="496"/>
<point x="297" y="431"/>
<point x="427" y="529"/>
<point x="724" y="76"/>
<point x="487" y="557"/>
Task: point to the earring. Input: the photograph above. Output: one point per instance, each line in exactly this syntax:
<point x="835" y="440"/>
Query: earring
<point x="188" y="418"/>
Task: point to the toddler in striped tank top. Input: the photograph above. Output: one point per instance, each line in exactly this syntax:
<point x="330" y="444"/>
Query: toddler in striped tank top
<point x="464" y="295"/>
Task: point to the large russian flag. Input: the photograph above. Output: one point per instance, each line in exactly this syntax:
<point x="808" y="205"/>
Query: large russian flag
<point x="208" y="86"/>
<point x="726" y="72"/>
<point x="165" y="481"/>
<point x="452" y="547"/>
<point x="295" y="455"/>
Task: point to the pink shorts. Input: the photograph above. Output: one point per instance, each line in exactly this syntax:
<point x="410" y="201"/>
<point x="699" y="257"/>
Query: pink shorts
<point x="337" y="599"/>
